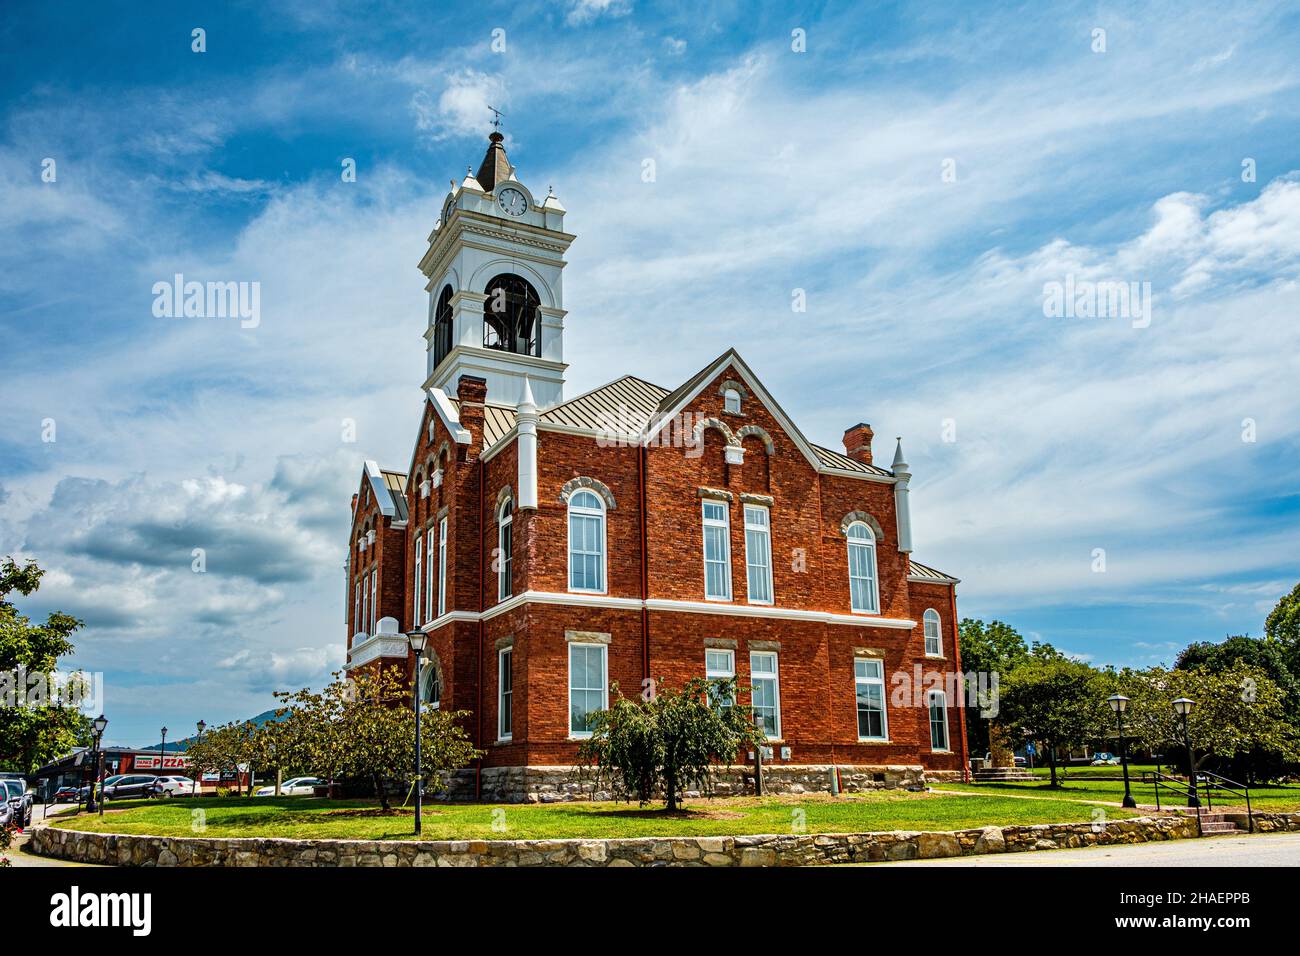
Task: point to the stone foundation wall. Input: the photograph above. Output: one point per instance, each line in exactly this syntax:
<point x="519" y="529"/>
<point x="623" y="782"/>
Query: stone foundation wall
<point x="556" y="784"/>
<point x="764" y="850"/>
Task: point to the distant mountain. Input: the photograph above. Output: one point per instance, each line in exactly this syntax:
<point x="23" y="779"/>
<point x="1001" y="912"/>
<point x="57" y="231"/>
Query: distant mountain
<point x="184" y="743"/>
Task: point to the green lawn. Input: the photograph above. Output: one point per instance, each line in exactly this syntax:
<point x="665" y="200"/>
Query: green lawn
<point x="1134" y="769"/>
<point x="1262" y="798"/>
<point x="356" y="819"/>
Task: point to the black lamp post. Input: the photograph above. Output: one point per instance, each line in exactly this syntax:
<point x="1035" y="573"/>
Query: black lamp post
<point x="417" y="641"/>
<point x="1119" y="704"/>
<point x="1182" y="707"/>
<point x="162" y="751"/>
<point x="96" y="764"/>
<point x="201" y="726"/>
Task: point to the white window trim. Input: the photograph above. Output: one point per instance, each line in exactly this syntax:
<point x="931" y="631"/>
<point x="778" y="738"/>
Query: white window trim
<point x="503" y="734"/>
<point x="374" y="599"/>
<point x="599" y="512"/>
<point x="947" y="735"/>
<point x="505" y="581"/>
<point x="725" y="524"/>
<point x="604" y="688"/>
<point x="356" y="606"/>
<point x="711" y="674"/>
<point x="419" y="580"/>
<point x="430" y="569"/>
<point x="775" y="677"/>
<point x="766" y="529"/>
<point x="884" y="698"/>
<point x="442" y="567"/>
<point x="875" y="563"/>
<point x="727" y="397"/>
<point x="938" y="632"/>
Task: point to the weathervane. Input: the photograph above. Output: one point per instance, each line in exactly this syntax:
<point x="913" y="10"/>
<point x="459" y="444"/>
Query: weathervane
<point x="496" y="118"/>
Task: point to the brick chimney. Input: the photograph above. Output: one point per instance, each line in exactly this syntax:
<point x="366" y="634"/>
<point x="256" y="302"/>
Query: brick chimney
<point x="857" y="442"/>
<point x="471" y="391"/>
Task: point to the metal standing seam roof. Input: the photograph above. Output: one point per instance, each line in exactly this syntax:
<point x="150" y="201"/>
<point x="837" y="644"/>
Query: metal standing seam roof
<point x="635" y="402"/>
<point x="395" y="482"/>
<point x="918" y="570"/>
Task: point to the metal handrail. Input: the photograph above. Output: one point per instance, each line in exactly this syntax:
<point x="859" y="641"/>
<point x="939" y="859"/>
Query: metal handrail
<point x="1159" y="780"/>
<point x="1228" y="785"/>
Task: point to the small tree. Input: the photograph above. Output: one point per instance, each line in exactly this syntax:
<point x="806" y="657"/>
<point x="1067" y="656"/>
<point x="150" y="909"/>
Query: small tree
<point x="364" y="727"/>
<point x="224" y="748"/>
<point x="35" y="727"/>
<point x="669" y="740"/>
<point x="1057" y="701"/>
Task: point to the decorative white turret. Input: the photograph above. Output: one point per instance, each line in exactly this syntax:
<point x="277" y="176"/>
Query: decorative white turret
<point x="526" y="417"/>
<point x="496" y="304"/>
<point x="901" y="506"/>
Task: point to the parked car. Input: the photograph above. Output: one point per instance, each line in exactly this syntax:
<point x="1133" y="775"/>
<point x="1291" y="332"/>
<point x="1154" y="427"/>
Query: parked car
<point x="293" y="787"/>
<point x="19" y="799"/>
<point x="66" y="794"/>
<point x="166" y="787"/>
<point x="124" y="786"/>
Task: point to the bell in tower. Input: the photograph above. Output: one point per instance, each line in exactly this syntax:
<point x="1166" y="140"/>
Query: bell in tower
<point x="496" y="305"/>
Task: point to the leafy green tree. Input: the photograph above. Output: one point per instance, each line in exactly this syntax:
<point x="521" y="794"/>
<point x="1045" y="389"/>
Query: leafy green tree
<point x="1283" y="622"/>
<point x="1056" y="701"/>
<point x="1241" y="715"/>
<point x="668" y="740"/>
<point x="35" y="727"/>
<point x="227" y="747"/>
<point x="993" y="648"/>
<point x="364" y="728"/>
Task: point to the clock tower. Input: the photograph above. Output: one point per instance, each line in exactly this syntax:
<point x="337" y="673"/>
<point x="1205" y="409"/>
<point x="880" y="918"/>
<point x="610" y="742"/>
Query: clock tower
<point x="496" y="305"/>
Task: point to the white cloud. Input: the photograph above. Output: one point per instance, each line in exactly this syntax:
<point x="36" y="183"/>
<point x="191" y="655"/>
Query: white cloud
<point x="585" y="11"/>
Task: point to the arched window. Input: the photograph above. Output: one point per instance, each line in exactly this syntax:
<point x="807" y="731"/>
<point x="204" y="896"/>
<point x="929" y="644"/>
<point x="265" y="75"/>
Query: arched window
<point x="864" y="591"/>
<point x="431" y="684"/>
<point x="510" y="317"/>
<point x="442" y="325"/>
<point x="731" y="401"/>
<point x="933" y="641"/>
<point x="505" y="544"/>
<point x="586" y="542"/>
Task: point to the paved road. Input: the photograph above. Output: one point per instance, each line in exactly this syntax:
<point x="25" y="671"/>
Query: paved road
<point x="1269" y="849"/>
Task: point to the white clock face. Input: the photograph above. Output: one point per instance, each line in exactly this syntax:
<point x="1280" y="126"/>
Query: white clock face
<point x="512" y="202"/>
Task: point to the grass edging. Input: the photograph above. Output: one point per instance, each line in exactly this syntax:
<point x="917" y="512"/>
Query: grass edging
<point x="756" y="850"/>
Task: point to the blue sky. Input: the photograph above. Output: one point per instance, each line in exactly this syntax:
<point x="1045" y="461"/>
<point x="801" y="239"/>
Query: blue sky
<point x="776" y="170"/>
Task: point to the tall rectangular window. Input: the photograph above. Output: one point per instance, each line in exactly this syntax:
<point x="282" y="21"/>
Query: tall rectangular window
<point x="365" y="605"/>
<point x="864" y="594"/>
<point x="717" y="551"/>
<point x="588" y="689"/>
<point x="869" y="678"/>
<point x="442" y="567"/>
<point x="419" y="578"/>
<point x="718" y="665"/>
<point x="933" y="638"/>
<point x="374" y="598"/>
<point x="758" y="554"/>
<point x="505" y="693"/>
<point x="766" y="697"/>
<point x="356" y="607"/>
<point x="505" y="546"/>
<point x="430" y="569"/>
<point x="938" y="701"/>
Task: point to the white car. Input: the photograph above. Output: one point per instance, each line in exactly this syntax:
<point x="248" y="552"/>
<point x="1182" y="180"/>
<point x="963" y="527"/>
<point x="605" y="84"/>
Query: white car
<point x="293" y="787"/>
<point x="176" y="787"/>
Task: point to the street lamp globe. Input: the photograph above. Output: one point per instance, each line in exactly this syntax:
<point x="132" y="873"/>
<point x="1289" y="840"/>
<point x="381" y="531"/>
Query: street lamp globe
<point x="99" y="723"/>
<point x="417" y="640"/>
<point x="202" y="725"/>
<point x="1183" y="706"/>
<point x="1118" y="703"/>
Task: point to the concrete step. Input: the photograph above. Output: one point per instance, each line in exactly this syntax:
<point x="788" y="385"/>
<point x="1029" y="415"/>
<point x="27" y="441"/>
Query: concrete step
<point x="1223" y="827"/>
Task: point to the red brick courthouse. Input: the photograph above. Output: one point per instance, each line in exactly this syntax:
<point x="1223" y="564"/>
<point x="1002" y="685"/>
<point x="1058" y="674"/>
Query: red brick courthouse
<point x="552" y="547"/>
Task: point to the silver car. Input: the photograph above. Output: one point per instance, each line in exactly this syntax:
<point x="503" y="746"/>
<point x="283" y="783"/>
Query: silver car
<point x="19" y="801"/>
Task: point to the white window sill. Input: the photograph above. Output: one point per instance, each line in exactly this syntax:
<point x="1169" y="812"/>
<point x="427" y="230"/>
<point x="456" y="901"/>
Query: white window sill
<point x="580" y="736"/>
<point x="875" y="613"/>
<point x="874" y="740"/>
<point x="941" y="752"/>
